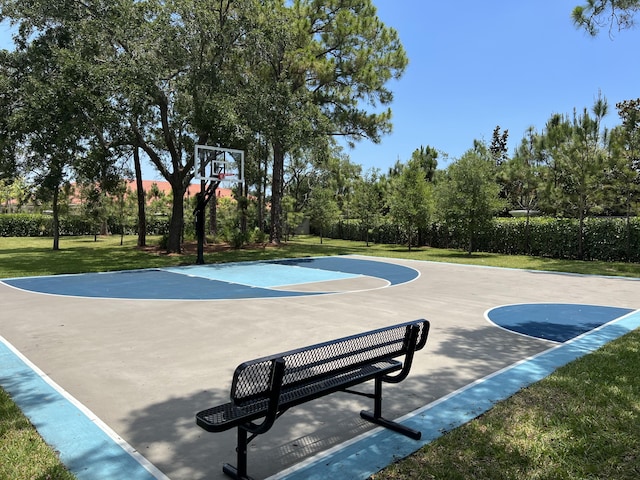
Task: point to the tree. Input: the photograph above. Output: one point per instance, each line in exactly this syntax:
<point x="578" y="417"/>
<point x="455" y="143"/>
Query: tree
<point x="576" y="148"/>
<point x="323" y="209"/>
<point x="498" y="147"/>
<point x="94" y="208"/>
<point x="49" y="113"/>
<point x="520" y="177"/>
<point x="601" y="13"/>
<point x="13" y="192"/>
<point x="8" y="163"/>
<point x="411" y="200"/>
<point x="467" y="197"/>
<point x="427" y="158"/>
<point x="368" y="201"/>
<point x="625" y="170"/>
<point x="324" y="77"/>
<point x="294" y="214"/>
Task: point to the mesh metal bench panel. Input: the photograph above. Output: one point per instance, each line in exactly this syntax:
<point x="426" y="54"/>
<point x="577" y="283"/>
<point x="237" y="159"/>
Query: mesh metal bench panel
<point x="217" y="418"/>
<point x="266" y="387"/>
<point x="306" y="365"/>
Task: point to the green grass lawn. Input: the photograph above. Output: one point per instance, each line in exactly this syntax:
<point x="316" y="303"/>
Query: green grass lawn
<point x="21" y="257"/>
<point x="582" y="422"/>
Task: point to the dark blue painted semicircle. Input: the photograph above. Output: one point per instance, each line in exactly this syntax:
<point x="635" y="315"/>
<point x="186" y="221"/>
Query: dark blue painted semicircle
<point x="143" y="285"/>
<point x="395" y="274"/>
<point x="558" y="322"/>
<point x="154" y="284"/>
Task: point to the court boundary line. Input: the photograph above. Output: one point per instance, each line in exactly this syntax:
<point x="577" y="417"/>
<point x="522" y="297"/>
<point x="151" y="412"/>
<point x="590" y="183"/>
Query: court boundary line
<point x="409" y="417"/>
<point x="361" y="456"/>
<point x="294" y="293"/>
<point x="123" y="445"/>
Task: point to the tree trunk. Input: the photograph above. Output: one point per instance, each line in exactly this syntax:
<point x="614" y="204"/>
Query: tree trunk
<point x="277" y="190"/>
<point x="213" y="215"/>
<point x="259" y="208"/>
<point x="527" y="233"/>
<point x="581" y="235"/>
<point x="176" y="222"/>
<point x="244" y="213"/>
<point x="56" y="219"/>
<point x="628" y="228"/>
<point x="142" y="215"/>
<point x="262" y="188"/>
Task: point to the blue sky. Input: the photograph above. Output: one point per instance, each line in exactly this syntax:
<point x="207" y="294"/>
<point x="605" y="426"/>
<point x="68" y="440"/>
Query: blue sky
<point x="477" y="64"/>
<point x="494" y="62"/>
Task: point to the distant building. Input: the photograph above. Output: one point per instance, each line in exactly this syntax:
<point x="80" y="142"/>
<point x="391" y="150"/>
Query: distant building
<point x="165" y="187"/>
<point x="10" y="205"/>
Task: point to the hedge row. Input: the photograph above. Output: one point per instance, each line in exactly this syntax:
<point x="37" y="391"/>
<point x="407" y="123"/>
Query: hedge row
<point x="37" y="225"/>
<point x="606" y="239"/>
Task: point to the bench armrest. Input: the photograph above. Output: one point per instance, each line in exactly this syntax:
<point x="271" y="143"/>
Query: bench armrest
<point x="411" y="345"/>
<point x="275" y="386"/>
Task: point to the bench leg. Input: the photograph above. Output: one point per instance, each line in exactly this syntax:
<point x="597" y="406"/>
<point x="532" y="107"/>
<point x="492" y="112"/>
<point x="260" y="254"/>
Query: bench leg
<point x="239" y="472"/>
<point x="377" y="418"/>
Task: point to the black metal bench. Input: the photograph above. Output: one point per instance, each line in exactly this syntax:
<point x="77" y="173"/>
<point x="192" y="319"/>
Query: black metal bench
<point x="267" y="387"/>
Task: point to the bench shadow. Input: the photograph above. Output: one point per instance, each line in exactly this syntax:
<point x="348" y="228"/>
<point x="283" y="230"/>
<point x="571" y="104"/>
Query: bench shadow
<point x="167" y="435"/>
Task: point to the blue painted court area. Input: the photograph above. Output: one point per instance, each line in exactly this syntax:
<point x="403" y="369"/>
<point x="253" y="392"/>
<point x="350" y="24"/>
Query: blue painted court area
<point x="217" y="281"/>
<point x="557" y="322"/>
<point x="94" y="452"/>
<point x="87" y="447"/>
<point x="361" y="457"/>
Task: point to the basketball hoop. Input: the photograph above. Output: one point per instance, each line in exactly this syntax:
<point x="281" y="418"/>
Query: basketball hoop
<point x="217" y="164"/>
<point x="213" y="165"/>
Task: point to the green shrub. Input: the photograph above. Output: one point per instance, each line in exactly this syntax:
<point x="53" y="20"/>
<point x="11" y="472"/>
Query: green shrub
<point x="258" y="236"/>
<point x="606" y="239"/>
<point x="41" y="225"/>
<point x="24" y="225"/>
<point x="234" y="236"/>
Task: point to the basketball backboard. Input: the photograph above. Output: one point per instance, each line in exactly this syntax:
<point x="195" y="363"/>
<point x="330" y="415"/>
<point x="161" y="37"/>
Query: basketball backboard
<point x="217" y="164"/>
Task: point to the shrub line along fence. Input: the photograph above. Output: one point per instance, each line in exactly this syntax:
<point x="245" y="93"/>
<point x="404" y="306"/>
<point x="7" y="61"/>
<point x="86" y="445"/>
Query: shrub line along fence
<point x="606" y="239"/>
<point x="41" y="225"/>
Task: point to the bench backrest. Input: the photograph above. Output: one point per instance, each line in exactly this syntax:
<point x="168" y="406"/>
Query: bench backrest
<point x="251" y="380"/>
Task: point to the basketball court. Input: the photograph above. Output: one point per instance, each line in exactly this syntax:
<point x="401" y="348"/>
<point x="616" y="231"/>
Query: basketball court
<point x="112" y="367"/>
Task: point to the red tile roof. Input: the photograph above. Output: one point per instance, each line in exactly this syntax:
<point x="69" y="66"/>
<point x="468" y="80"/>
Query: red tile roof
<point x="165" y="188"/>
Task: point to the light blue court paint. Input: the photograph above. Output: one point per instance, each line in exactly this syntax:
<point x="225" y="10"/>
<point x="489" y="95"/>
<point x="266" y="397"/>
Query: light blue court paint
<point x="87" y="447"/>
<point x="371" y="452"/>
<point x="93" y="452"/>
<point x="231" y="281"/>
<point x="261" y="274"/>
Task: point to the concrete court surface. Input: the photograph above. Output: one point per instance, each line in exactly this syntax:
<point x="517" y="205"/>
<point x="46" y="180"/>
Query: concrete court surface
<point x="145" y="367"/>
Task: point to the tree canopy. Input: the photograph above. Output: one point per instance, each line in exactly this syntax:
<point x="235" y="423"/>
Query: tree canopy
<point x="160" y="76"/>
<point x="596" y="14"/>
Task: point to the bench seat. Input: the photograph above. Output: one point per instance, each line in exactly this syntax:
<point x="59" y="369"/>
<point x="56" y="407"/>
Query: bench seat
<point x="229" y="415"/>
<point x="264" y="388"/>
